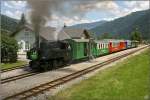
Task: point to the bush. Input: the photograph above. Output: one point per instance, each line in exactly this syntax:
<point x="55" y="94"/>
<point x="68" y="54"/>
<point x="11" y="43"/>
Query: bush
<point x="9" y="49"/>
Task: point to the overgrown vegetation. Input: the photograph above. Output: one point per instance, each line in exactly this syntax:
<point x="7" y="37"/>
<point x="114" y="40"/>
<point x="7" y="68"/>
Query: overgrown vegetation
<point x="9" y="49"/>
<point x="125" y="81"/>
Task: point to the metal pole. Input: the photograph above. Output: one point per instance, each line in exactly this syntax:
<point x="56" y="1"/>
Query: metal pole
<point x="90" y="47"/>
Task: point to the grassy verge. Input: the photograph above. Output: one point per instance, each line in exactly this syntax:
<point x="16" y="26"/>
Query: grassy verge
<point x="10" y="65"/>
<point x="125" y="81"/>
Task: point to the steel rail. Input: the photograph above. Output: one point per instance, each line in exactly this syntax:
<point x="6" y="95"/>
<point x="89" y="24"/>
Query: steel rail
<point x="14" y="68"/>
<point x="13" y="78"/>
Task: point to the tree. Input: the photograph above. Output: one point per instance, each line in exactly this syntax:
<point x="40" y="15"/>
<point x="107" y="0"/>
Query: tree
<point x="9" y="48"/>
<point x="22" y="22"/>
<point x="136" y="35"/>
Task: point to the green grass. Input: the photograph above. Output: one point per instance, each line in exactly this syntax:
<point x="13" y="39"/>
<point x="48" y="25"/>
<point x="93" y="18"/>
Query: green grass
<point x="129" y="80"/>
<point x="10" y="65"/>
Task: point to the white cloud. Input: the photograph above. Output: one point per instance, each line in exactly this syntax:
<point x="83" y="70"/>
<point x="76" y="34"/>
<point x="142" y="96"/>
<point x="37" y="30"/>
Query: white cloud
<point x="16" y="14"/>
<point x="8" y="5"/>
<point x="8" y="13"/>
<point x="137" y="5"/>
<point x="107" y="5"/>
<point x="60" y="21"/>
<point x="130" y="6"/>
<point x="18" y="3"/>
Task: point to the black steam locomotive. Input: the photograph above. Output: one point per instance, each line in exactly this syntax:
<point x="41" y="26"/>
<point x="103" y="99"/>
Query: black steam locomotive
<point x="49" y="55"/>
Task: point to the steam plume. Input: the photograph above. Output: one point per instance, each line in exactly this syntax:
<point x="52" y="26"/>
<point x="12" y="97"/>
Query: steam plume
<point x="39" y="12"/>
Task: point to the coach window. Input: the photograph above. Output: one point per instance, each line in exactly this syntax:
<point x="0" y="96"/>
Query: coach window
<point x="100" y="45"/>
<point x="103" y="45"/>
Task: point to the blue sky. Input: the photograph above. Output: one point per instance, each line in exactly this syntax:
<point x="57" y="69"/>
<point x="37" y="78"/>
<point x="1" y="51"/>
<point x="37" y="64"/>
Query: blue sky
<point x="85" y="12"/>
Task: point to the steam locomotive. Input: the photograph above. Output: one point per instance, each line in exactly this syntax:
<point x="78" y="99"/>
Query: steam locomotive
<point x="51" y="55"/>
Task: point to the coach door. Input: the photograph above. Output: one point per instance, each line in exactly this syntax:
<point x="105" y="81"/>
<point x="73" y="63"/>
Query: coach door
<point x="85" y="49"/>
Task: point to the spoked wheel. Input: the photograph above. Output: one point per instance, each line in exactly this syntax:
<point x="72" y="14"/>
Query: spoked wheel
<point x="55" y="64"/>
<point x="46" y="66"/>
<point x="34" y="65"/>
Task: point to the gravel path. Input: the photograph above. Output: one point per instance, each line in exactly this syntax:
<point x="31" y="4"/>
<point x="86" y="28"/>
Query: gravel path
<point x="32" y="81"/>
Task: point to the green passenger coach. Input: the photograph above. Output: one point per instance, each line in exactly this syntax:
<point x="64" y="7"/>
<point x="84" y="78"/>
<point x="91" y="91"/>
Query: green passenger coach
<point x="79" y="48"/>
<point x="102" y="47"/>
<point x="84" y="48"/>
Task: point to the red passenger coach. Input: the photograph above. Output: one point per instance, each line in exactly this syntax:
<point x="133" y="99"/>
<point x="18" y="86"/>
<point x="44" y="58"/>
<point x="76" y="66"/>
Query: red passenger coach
<point x="122" y="45"/>
<point x="116" y="45"/>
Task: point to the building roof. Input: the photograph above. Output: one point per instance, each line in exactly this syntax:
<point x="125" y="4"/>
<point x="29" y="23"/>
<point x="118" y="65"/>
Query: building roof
<point x="28" y="26"/>
<point x="81" y="40"/>
<point x="50" y="33"/>
<point x="74" y="33"/>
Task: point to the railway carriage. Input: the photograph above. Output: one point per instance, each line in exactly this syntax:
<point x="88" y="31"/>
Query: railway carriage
<point x="122" y="44"/>
<point x="102" y="47"/>
<point x="117" y="45"/>
<point x="114" y="46"/>
<point x="134" y="44"/>
<point x="79" y="48"/>
<point x="128" y="44"/>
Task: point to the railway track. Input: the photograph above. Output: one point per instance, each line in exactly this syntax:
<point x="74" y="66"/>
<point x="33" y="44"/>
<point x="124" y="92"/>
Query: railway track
<point x="13" y="78"/>
<point x="49" y="85"/>
<point x="13" y="68"/>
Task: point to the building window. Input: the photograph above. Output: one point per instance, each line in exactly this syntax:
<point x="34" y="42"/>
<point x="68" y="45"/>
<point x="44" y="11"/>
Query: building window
<point x="26" y="34"/>
<point x="27" y="45"/>
<point x="20" y="45"/>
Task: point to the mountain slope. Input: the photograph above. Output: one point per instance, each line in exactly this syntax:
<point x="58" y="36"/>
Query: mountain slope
<point x="8" y="24"/>
<point x="122" y="27"/>
<point x="87" y="25"/>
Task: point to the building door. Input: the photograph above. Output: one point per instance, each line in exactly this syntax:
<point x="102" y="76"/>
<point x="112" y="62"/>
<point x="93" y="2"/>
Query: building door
<point x="27" y="45"/>
<point x="21" y="45"/>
